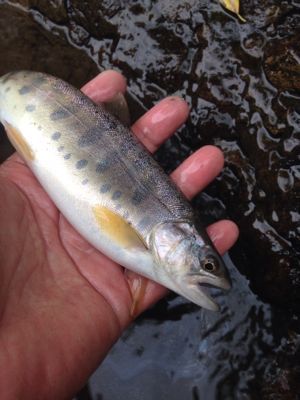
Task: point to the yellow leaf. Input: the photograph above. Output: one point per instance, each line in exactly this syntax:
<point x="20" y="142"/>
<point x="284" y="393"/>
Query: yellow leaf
<point x="233" y="6"/>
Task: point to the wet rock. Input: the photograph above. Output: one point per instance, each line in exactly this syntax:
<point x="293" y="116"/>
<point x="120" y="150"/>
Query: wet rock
<point x="36" y="48"/>
<point x="282" y="63"/>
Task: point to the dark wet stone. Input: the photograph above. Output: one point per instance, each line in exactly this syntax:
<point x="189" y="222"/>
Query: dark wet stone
<point x="27" y="52"/>
<point x="282" y="62"/>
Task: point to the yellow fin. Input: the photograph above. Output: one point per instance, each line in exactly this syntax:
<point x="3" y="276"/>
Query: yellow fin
<point x="233" y="6"/>
<point x="117" y="228"/>
<point x="17" y="140"/>
<point x="138" y="285"/>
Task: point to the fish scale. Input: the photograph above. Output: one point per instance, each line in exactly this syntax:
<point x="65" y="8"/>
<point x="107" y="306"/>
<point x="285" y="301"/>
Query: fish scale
<point x="107" y="184"/>
<point x="103" y="139"/>
<point x="133" y="168"/>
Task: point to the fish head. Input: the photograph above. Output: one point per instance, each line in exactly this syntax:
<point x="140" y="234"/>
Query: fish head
<point x="189" y="261"/>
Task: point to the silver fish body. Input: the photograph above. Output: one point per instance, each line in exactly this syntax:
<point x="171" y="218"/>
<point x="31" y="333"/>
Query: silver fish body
<point x="107" y="185"/>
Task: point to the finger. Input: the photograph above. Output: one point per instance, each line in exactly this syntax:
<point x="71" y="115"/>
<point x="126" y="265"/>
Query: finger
<point x="198" y="170"/>
<point x="223" y="234"/>
<point x="159" y="123"/>
<point x="105" y="86"/>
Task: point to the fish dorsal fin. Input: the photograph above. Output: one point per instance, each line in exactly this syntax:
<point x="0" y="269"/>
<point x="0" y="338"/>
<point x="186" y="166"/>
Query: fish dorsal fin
<point x="117" y="228"/>
<point x="118" y="107"/>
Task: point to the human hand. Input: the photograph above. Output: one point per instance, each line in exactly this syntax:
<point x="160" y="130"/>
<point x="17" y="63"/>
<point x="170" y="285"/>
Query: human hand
<point x="62" y="303"/>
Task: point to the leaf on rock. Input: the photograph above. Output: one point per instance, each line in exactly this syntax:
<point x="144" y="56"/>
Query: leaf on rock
<point x="233" y="6"/>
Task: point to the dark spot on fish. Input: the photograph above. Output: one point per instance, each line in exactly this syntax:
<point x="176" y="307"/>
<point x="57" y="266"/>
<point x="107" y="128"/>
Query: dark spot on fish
<point x="56" y="136"/>
<point x="7" y="89"/>
<point x="110" y="122"/>
<point x="138" y="196"/>
<point x="124" y="150"/>
<point x="67" y="156"/>
<point x="102" y="166"/>
<point x="58" y="114"/>
<point x="25" y="90"/>
<point x="112" y="125"/>
<point x="90" y="137"/>
<point x="105" y="188"/>
<point x="84" y="182"/>
<point x="81" y="164"/>
<point x="38" y="81"/>
<point x="60" y="148"/>
<point x="116" y="195"/>
<point x="30" y="107"/>
<point x="144" y="222"/>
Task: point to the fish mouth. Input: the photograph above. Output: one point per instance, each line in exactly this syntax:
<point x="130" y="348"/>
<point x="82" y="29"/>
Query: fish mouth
<point x="214" y="281"/>
<point x="200" y="290"/>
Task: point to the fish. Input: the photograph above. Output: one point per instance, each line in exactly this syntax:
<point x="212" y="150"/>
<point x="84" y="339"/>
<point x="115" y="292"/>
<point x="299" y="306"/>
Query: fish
<point x="108" y="186"/>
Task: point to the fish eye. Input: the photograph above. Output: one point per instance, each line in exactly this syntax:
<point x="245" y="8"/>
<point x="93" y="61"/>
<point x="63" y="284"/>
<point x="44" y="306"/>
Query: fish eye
<point x="210" y="264"/>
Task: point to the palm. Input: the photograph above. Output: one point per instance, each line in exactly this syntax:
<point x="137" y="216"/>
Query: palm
<point x="63" y="303"/>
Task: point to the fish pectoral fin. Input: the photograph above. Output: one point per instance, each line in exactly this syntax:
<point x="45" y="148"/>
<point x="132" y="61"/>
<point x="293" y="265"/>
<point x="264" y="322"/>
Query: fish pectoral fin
<point x="117" y="228"/>
<point x="17" y="140"/>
